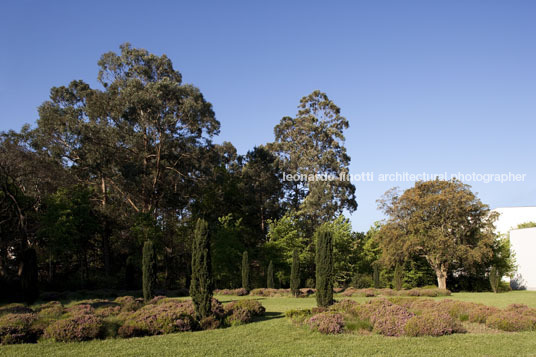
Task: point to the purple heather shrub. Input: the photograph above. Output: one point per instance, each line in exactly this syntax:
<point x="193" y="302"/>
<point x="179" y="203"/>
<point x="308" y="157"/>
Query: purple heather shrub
<point x="52" y="309"/>
<point x="432" y="323"/>
<point x="237" y="292"/>
<point x="327" y="323"/>
<point x="157" y="300"/>
<point x="159" y="319"/>
<point x="269" y="292"/>
<point x="80" y="309"/>
<point x="390" y="320"/>
<point x="210" y="323"/>
<point x="239" y="317"/>
<point x="345" y="305"/>
<point x="107" y="311"/>
<point x="80" y="327"/>
<point x="17" y="328"/>
<point x="128" y="303"/>
<point x="510" y="320"/>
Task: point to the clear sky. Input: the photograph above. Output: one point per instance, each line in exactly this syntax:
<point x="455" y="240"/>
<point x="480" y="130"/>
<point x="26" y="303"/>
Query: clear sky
<point x="428" y="86"/>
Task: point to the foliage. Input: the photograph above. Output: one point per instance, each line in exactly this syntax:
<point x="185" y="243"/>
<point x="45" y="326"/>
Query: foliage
<point x="430" y="219"/>
<point x="295" y="274"/>
<point x="494" y="279"/>
<point x="17" y="328"/>
<point x="398" y="278"/>
<point x="270" y="276"/>
<point x="245" y="271"/>
<point x="149" y="270"/>
<point x="324" y="267"/>
<point x="518" y="283"/>
<point x="80" y="327"/>
<point x="201" y="285"/>
<point x="29" y="276"/>
<point x="327" y="323"/>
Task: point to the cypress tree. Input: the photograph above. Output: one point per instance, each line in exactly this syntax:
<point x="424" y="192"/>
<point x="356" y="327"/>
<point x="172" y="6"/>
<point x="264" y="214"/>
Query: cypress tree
<point x="494" y="279"/>
<point x="295" y="274"/>
<point x="270" y="276"/>
<point x="29" y="276"/>
<point x="201" y="284"/>
<point x="245" y="271"/>
<point x="376" y="276"/>
<point x="398" y="277"/>
<point x="324" y="267"/>
<point x="148" y="270"/>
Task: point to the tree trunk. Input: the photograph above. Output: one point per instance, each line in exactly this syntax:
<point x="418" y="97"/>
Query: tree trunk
<point x="441" y="274"/>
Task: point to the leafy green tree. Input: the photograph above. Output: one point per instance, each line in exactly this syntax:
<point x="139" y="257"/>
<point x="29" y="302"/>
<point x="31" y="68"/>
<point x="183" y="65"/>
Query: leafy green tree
<point x="324" y="267"/>
<point x="312" y="143"/>
<point x="270" y="276"/>
<point x="295" y="274"/>
<point x="201" y="286"/>
<point x="245" y="271"/>
<point x="442" y="221"/>
<point x="148" y="270"/>
<point x="226" y="251"/>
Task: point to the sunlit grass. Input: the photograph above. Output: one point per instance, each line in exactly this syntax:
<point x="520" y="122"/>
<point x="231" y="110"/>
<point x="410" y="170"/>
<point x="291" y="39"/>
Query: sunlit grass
<point x="276" y="336"/>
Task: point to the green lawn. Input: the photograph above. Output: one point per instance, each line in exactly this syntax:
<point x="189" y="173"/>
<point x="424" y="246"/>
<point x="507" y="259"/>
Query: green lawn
<point x="276" y="336"/>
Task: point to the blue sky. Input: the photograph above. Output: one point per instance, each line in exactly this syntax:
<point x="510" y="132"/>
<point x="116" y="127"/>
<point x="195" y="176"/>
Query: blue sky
<point x="433" y="86"/>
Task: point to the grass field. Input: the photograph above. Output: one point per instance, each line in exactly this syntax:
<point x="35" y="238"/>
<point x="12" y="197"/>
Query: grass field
<point x="276" y="336"/>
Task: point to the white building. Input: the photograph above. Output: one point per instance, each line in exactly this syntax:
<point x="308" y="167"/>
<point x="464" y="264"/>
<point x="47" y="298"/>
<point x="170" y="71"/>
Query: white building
<point x="523" y="241"/>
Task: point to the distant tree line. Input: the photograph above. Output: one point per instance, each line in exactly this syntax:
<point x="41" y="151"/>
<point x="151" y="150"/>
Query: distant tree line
<point x="109" y="177"/>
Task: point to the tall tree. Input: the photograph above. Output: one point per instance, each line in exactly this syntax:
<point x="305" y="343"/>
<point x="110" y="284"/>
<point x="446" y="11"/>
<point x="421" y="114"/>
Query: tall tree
<point x="442" y="221"/>
<point x="324" y="267"/>
<point x="270" y="276"/>
<point x="148" y="270"/>
<point x="29" y="281"/>
<point x="295" y="274"/>
<point x="201" y="285"/>
<point x="312" y="143"/>
<point x="245" y="271"/>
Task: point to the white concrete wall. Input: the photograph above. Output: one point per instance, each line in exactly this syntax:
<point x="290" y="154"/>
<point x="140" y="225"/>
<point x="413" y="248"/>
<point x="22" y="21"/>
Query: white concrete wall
<point x="523" y="243"/>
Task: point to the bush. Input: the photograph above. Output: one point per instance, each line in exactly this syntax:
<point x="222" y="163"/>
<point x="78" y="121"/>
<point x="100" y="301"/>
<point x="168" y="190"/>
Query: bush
<point x="432" y="323"/>
<point x="390" y="320"/>
<point x="327" y="323"/>
<point x="81" y="327"/>
<point x="52" y="309"/>
<point x="15" y="309"/>
<point x="159" y="319"/>
<point x="298" y="315"/>
<point x="80" y="309"/>
<point x="237" y="292"/>
<point x="511" y="321"/>
<point x="17" y="328"/>
<point x="269" y="292"/>
<point x="210" y="323"/>
<point x="128" y="303"/>
<point x="362" y="281"/>
<point x="242" y="311"/>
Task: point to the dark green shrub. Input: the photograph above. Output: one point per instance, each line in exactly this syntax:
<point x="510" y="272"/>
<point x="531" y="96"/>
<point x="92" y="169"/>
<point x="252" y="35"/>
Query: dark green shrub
<point x="324" y="267"/>
<point x="201" y="284"/>
<point x="270" y="276"/>
<point x="242" y="311"/>
<point x="245" y="271"/>
<point x="295" y="274"/>
<point x="148" y="270"/>
<point x="376" y="277"/>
